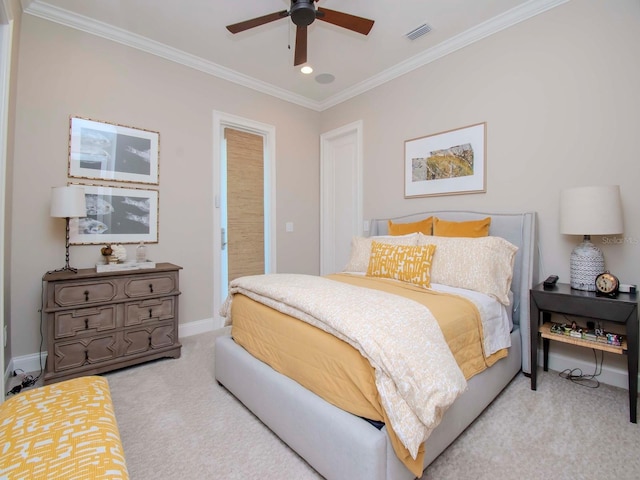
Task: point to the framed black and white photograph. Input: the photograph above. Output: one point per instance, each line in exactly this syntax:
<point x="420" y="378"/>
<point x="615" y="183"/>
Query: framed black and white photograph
<point x="116" y="215"/>
<point x="446" y="163"/>
<point x="107" y="151"/>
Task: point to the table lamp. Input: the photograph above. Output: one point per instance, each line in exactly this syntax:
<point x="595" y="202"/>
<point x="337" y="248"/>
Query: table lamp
<point x="68" y="202"/>
<point x="589" y="211"/>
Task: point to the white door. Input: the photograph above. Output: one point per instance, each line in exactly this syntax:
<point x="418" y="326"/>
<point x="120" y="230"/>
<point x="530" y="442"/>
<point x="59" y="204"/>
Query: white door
<point x="340" y="195"/>
<point x="221" y="121"/>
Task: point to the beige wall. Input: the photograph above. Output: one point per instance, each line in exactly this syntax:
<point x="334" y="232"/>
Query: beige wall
<point x="559" y="94"/>
<point x="561" y="97"/>
<point x="65" y="72"/>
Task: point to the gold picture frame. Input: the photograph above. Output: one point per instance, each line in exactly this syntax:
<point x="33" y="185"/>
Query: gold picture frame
<point x="446" y="163"/>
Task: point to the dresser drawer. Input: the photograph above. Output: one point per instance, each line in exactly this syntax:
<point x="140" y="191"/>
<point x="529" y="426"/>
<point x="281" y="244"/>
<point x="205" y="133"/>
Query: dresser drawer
<point x="150" y="285"/>
<point x="83" y="352"/>
<point x="69" y="294"/>
<point x="149" y="338"/>
<point x="152" y="310"/>
<point x="85" y="320"/>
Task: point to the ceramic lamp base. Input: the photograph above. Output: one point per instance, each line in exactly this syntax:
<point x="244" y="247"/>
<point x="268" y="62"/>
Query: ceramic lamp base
<point x="587" y="262"/>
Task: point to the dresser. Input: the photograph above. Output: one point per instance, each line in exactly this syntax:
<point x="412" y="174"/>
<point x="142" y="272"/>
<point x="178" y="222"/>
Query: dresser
<point x="98" y="322"/>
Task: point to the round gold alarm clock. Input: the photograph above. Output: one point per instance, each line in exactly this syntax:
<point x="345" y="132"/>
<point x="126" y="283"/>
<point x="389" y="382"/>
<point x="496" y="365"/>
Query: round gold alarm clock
<point x="607" y="284"/>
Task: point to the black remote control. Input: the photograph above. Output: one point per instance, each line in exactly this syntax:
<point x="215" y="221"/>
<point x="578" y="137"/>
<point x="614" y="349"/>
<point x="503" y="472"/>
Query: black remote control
<point x="550" y="282"/>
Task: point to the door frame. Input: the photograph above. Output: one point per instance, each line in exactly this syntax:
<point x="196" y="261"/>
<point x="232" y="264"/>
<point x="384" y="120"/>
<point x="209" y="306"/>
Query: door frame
<point x="6" y="39"/>
<point x="327" y="188"/>
<point x="221" y="121"/>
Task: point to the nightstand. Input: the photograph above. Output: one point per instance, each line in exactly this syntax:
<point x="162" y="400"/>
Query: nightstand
<point x="622" y="310"/>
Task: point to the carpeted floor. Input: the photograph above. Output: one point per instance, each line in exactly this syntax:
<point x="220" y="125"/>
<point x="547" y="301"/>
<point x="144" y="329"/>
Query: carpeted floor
<point x="176" y="422"/>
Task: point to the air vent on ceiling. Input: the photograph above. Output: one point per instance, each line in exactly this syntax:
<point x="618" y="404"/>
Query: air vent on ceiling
<point x="418" y="32"/>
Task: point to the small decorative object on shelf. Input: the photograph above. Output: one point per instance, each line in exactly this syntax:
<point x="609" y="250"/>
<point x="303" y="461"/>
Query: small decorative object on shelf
<point x="120" y="253"/>
<point x="116" y="259"/>
<point x="607" y="285"/>
<point x="141" y="253"/>
<point x="107" y="253"/>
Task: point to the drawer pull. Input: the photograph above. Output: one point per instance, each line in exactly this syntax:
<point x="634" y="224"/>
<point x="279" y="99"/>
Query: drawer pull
<point x="86" y="295"/>
<point x="151" y="288"/>
<point x="86" y="323"/>
<point x="150" y="313"/>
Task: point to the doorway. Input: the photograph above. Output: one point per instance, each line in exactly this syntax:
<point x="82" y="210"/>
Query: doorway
<point x="341" y="216"/>
<point x="244" y="195"/>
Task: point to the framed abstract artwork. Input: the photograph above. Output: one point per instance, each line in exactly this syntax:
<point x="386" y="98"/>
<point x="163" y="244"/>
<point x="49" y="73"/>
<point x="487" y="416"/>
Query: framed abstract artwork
<point x="116" y="215"/>
<point x="446" y="163"/>
<point x="107" y="151"/>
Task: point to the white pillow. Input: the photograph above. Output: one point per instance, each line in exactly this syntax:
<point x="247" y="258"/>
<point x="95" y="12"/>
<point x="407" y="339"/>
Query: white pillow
<point x="361" y="249"/>
<point x="483" y="264"/>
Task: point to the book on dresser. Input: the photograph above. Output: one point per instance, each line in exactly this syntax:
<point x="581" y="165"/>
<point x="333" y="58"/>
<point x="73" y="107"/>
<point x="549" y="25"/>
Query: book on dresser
<point x="101" y="321"/>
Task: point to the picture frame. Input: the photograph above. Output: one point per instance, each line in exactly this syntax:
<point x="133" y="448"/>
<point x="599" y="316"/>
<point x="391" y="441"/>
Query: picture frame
<point x="446" y="163"/>
<point x="108" y="151"/>
<point x="116" y="215"/>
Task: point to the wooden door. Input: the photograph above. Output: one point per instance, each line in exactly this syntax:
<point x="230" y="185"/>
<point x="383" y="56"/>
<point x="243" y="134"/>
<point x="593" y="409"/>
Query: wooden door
<point x="245" y="203"/>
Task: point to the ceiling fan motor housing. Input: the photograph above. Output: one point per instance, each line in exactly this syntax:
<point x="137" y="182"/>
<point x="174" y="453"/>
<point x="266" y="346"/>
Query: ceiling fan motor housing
<point x="302" y="12"/>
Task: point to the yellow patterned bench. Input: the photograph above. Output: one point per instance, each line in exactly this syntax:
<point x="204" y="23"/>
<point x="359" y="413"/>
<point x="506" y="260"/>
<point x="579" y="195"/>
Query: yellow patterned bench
<point x="65" y="430"/>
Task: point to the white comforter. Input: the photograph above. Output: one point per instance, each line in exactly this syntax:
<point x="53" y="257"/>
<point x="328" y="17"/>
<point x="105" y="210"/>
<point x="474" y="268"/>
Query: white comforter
<point x="416" y="374"/>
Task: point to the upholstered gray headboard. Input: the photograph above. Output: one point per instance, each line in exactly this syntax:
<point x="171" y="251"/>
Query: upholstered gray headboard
<point x="517" y="228"/>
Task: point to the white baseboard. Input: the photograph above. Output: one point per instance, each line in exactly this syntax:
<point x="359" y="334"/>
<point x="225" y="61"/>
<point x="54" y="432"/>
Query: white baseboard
<point x="194" y="328"/>
<point x="26" y="363"/>
<point x="31" y="362"/>
<point x="611" y="375"/>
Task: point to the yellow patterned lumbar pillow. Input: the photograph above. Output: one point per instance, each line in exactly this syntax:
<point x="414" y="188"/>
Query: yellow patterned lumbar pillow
<point x="407" y="263"/>
<point x="361" y="249"/>
<point x="63" y="430"/>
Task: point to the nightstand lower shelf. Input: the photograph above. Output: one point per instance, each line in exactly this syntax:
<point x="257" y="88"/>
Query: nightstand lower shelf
<point x="545" y="333"/>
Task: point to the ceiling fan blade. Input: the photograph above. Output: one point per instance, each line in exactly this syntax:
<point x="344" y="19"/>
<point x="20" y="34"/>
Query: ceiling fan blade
<point x="300" y="55"/>
<point x="344" y="20"/>
<point x="256" y="22"/>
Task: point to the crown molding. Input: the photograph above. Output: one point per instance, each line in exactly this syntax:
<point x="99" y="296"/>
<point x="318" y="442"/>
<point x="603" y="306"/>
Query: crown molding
<point x="61" y="16"/>
<point x="6" y="15"/>
<point x="40" y="8"/>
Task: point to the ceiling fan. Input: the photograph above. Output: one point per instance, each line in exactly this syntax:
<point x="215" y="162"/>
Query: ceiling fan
<point x="303" y="13"/>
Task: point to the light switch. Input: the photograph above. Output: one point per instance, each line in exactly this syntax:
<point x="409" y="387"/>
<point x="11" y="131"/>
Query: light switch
<point x="288" y="226"/>
<point x="365" y="226"/>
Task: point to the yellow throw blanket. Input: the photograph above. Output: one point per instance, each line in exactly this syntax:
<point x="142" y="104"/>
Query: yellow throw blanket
<point x="416" y="374"/>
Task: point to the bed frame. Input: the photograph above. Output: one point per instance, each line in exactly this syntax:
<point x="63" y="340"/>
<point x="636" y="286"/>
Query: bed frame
<point x="340" y="445"/>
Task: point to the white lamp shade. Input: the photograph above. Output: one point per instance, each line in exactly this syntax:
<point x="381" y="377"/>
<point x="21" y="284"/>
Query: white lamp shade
<point x="591" y="211"/>
<point x="68" y="202"/>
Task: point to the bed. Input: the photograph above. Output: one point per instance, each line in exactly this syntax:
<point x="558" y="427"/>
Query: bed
<point x="342" y="445"/>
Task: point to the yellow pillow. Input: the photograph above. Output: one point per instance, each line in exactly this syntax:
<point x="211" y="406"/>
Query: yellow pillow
<point x="423" y="226"/>
<point x="471" y="228"/>
<point x="406" y="263"/>
<point x="361" y="249"/>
